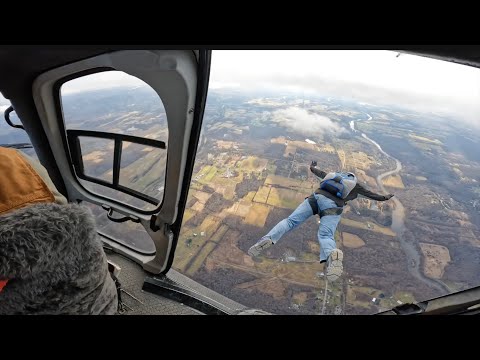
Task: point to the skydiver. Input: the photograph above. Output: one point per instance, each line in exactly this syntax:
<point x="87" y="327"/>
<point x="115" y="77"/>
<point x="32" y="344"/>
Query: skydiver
<point x="328" y="201"/>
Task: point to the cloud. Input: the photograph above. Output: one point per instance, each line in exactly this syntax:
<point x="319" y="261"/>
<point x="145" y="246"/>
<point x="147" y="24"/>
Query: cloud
<point x="376" y="77"/>
<point x="301" y="120"/>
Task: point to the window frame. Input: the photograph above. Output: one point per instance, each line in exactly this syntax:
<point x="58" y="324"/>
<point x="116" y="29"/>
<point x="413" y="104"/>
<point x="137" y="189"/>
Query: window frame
<point x="57" y="99"/>
<point x="174" y="75"/>
<point x="77" y="159"/>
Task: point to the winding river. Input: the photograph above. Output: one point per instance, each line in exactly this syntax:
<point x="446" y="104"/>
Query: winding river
<point x="412" y="256"/>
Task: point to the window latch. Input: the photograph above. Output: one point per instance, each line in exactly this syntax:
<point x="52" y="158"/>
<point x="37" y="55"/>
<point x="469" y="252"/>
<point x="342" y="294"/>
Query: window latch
<point x="119" y="220"/>
<point x="6" y="114"/>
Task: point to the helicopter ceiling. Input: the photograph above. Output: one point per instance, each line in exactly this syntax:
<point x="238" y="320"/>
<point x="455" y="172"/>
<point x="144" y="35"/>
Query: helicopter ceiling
<point x="19" y="66"/>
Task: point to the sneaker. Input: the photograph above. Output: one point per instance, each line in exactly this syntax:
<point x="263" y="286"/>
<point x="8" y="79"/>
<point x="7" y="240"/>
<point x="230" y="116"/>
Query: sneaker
<point x="334" y="265"/>
<point x="263" y="243"/>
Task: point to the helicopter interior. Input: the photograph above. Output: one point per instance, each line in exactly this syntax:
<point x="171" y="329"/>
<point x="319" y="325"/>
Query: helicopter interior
<point x="33" y="80"/>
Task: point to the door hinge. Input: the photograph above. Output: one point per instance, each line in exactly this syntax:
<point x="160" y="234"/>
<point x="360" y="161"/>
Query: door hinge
<point x="153" y="225"/>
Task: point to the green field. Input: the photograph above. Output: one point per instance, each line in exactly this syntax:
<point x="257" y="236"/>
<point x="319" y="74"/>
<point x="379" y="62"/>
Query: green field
<point x="284" y="198"/>
<point x="262" y="194"/>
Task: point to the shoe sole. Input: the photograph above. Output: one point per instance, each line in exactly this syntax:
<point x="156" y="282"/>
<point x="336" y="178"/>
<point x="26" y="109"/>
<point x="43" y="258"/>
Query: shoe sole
<point x="335" y="268"/>
<point x="256" y="249"/>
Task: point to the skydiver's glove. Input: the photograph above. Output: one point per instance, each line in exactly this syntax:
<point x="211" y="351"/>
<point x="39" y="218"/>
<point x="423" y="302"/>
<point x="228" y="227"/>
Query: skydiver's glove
<point x="388" y="197"/>
<point x="314" y="163"/>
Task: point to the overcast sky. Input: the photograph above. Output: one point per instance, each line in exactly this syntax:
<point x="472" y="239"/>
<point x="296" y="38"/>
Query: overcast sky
<point x="378" y="68"/>
<point x="366" y="75"/>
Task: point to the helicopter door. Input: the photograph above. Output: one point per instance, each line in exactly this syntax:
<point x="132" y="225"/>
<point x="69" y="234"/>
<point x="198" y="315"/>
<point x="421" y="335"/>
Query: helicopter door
<point x="124" y="128"/>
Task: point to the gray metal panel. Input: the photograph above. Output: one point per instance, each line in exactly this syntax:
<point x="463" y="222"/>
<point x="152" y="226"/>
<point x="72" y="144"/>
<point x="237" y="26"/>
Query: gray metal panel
<point x="172" y="74"/>
<point x="131" y="277"/>
<point x="228" y="305"/>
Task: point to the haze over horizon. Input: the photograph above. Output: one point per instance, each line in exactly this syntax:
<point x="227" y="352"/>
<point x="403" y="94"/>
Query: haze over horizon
<point x="376" y="77"/>
<point x="372" y="76"/>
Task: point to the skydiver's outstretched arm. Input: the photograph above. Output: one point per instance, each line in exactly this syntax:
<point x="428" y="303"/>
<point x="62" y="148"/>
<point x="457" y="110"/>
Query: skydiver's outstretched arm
<point x="321" y="174"/>
<point x="370" y="194"/>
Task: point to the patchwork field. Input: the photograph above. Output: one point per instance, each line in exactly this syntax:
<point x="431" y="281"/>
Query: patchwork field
<point x="257" y="215"/>
<point x="284" y="198"/>
<point x="436" y="258"/>
<point x="95" y="156"/>
<point x="252" y="164"/>
<point x="352" y="240"/>
<point x="262" y="195"/>
<point x="365" y="225"/>
<point x="289" y="183"/>
<point x="424" y="139"/>
<point x="394" y="181"/>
